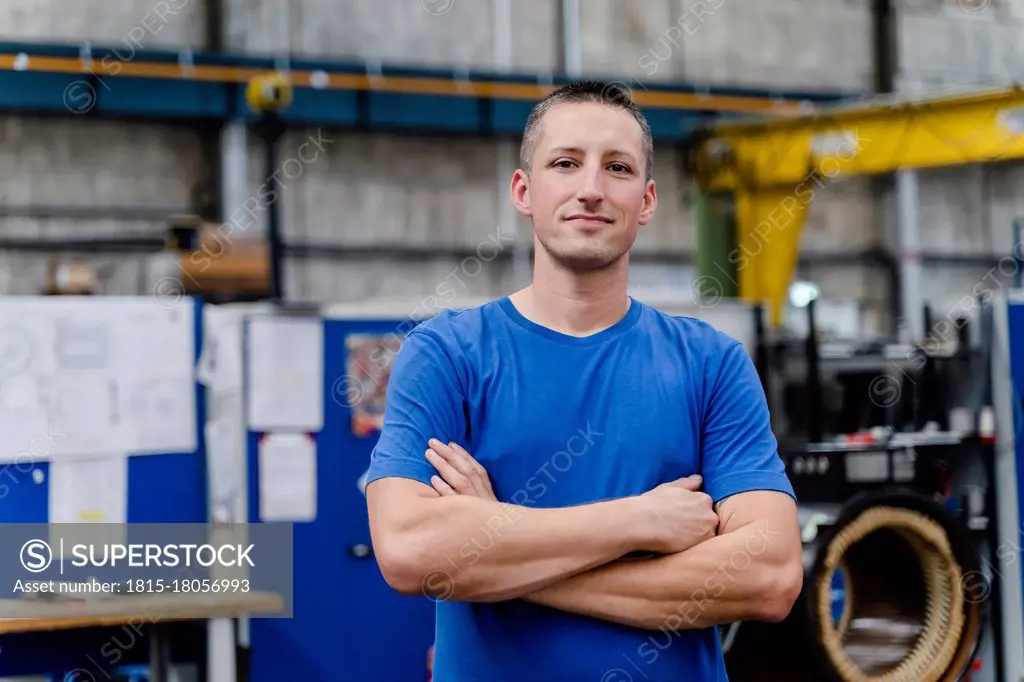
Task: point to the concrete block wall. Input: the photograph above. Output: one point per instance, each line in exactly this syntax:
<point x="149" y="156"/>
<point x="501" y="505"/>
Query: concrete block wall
<point x="128" y="24"/>
<point x="720" y="41"/>
<point x="128" y="178"/>
<point x="616" y="37"/>
<point x="960" y="44"/>
<point x="49" y="165"/>
<point x="96" y="163"/>
<point x="438" y="33"/>
<point x="970" y="212"/>
<point x="747" y="42"/>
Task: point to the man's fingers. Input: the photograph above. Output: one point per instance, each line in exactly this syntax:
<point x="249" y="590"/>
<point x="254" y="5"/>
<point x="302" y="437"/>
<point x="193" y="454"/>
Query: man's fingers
<point x="462" y="463"/>
<point x="467" y="458"/>
<point x="452" y="476"/>
<point x="476" y="467"/>
<point x="474" y="476"/>
<point x="441" y="487"/>
<point x="459" y="449"/>
<point x="691" y="482"/>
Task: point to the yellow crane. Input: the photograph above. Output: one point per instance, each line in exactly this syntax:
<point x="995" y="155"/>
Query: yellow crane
<point x="772" y="169"/>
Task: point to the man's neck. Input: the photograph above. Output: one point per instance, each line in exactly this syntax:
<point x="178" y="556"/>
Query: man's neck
<point x="578" y="304"/>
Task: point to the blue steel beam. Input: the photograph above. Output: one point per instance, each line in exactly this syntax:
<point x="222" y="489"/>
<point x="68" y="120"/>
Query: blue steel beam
<point x="125" y="83"/>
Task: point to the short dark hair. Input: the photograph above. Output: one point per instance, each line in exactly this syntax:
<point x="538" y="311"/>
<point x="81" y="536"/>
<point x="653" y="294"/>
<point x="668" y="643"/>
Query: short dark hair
<point x="613" y="94"/>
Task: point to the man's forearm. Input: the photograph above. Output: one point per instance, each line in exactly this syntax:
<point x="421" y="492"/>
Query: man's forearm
<point x="747" y="574"/>
<point x="469" y="549"/>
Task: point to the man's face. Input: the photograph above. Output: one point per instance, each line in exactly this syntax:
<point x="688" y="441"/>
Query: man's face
<point x="586" y="192"/>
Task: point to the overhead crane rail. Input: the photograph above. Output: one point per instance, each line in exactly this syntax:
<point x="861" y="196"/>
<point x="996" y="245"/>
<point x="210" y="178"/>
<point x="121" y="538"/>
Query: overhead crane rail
<point x="195" y="85"/>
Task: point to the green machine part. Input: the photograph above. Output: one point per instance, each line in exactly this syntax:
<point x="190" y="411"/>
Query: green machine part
<point x="716" y="247"/>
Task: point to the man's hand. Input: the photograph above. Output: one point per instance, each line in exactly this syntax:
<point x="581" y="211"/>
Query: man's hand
<point x="459" y="473"/>
<point x="680" y="516"/>
<point x="684" y="516"/>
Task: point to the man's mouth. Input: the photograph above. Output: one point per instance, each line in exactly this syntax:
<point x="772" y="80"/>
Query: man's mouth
<point x="589" y="218"/>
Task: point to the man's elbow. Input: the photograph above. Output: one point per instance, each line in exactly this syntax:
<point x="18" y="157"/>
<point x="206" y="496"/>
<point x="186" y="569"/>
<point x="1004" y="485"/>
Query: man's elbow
<point x="397" y="509"/>
<point x="410" y="570"/>
<point x="401" y="566"/>
<point x="781" y="590"/>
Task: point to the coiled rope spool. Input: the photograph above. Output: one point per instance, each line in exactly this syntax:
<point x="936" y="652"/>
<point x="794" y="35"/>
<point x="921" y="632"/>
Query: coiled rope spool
<point x="905" y="616"/>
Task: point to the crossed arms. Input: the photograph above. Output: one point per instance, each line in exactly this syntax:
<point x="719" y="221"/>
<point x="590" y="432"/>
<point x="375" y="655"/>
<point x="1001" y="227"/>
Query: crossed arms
<point x="455" y="541"/>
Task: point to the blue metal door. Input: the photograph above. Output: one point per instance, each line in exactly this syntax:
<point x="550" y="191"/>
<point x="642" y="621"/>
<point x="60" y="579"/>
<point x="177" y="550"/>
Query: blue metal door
<point x="348" y="624"/>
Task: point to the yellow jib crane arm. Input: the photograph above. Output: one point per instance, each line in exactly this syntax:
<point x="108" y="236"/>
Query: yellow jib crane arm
<point x="775" y="167"/>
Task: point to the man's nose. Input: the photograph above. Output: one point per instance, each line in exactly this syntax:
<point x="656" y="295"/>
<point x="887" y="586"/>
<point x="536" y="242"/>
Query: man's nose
<point x="591" y="187"/>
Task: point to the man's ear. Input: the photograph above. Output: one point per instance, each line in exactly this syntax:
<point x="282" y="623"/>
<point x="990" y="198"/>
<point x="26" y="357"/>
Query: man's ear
<point x="520" y="192"/>
<point x="650" y="203"/>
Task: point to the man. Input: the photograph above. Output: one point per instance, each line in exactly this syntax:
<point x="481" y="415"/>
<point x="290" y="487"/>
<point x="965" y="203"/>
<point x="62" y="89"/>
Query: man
<point x="586" y="485"/>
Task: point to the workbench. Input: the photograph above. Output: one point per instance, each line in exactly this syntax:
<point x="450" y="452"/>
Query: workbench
<point x="150" y="612"/>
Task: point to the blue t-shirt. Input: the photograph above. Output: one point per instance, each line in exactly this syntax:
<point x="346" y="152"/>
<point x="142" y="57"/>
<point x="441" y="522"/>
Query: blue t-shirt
<point x="558" y="420"/>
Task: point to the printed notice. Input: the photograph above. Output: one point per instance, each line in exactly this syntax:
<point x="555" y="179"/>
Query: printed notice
<point x="286" y="374"/>
<point x="287" y="471"/>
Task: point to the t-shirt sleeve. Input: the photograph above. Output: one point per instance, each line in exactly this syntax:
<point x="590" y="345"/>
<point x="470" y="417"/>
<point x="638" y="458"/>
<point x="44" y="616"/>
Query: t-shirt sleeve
<point x="739" y="452"/>
<point x="424" y="401"/>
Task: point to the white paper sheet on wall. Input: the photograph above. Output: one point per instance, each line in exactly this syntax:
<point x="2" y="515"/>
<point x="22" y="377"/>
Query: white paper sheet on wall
<point x="287" y="471"/>
<point x="84" y="406"/>
<point x="91" y="491"/>
<point x="55" y="378"/>
<point x="286" y="380"/>
<point x="157" y="377"/>
<point x="107" y="375"/>
<point x="220" y="363"/>
<point x="28" y="436"/>
<point x="159" y="414"/>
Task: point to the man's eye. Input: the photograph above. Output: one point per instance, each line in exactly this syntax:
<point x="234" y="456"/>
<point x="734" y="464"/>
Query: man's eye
<point x="620" y="168"/>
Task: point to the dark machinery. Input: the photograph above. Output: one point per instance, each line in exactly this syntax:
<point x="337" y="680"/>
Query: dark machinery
<point x="888" y="450"/>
